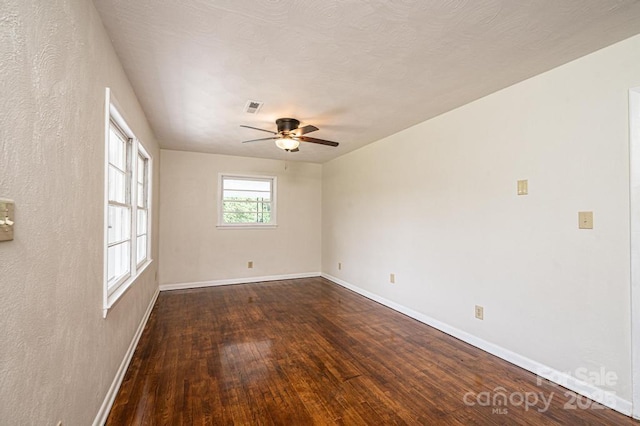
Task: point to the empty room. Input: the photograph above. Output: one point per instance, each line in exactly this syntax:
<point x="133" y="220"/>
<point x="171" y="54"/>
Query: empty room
<point x="299" y="212"/>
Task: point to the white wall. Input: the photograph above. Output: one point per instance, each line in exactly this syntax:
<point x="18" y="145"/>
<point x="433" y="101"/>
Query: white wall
<point x="436" y="204"/>
<point x="194" y="250"/>
<point x="58" y="356"/>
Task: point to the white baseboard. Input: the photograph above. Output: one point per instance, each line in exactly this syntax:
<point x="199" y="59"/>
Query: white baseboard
<point x="101" y="418"/>
<point x="247" y="280"/>
<point x="572" y="383"/>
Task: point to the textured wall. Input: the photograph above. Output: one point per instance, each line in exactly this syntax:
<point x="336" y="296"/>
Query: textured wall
<point x="436" y="204"/>
<point x="193" y="249"/>
<point x="58" y="356"/>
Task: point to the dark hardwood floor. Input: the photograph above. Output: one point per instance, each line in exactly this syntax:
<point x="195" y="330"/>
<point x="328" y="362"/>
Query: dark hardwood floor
<point x="307" y="351"/>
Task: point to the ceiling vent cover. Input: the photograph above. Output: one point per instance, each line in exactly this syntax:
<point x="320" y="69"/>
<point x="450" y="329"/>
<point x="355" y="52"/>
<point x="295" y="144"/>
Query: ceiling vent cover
<point x="253" y="107"/>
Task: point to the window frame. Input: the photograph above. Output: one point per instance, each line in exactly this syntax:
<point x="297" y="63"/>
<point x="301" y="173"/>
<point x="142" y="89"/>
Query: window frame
<point x="112" y="291"/>
<point x="127" y="204"/>
<point x="251" y="225"/>
<point x="146" y="186"/>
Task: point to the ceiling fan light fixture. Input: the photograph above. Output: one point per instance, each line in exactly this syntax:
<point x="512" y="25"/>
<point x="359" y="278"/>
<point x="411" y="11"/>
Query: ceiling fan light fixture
<point x="290" y="134"/>
<point x="287" y="143"/>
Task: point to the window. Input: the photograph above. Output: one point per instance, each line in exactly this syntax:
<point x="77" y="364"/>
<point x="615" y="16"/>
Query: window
<point x="127" y="213"/>
<point x="247" y="201"/>
<point x="119" y="206"/>
<point x="142" y="230"/>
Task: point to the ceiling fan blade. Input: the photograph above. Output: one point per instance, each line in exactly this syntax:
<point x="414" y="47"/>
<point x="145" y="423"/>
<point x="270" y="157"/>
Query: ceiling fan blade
<point x="304" y="130"/>
<point x="294" y="150"/>
<point x="262" y="130"/>
<point x="320" y="141"/>
<point x="261" y="139"/>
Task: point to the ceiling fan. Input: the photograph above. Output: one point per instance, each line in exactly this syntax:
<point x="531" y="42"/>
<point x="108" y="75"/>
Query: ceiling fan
<point x="289" y="135"/>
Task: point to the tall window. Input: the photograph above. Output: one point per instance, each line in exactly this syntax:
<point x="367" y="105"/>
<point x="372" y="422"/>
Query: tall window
<point x="119" y="206"/>
<point x="142" y="229"/>
<point x="246" y="201"/>
<point x="127" y="212"/>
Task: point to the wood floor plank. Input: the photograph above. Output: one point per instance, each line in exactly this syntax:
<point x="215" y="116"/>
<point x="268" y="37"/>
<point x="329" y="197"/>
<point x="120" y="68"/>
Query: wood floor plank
<point x="303" y="352"/>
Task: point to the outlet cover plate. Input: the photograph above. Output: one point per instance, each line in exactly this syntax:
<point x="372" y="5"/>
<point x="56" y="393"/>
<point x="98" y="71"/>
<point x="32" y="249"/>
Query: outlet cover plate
<point x="585" y="220"/>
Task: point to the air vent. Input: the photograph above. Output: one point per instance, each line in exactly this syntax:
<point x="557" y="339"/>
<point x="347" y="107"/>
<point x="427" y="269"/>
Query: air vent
<point x="253" y="107"/>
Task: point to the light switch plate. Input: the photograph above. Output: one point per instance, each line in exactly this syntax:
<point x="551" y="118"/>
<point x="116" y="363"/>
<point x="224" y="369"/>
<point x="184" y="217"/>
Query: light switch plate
<point x="585" y="220"/>
<point x="523" y="187"/>
<point x="6" y="215"/>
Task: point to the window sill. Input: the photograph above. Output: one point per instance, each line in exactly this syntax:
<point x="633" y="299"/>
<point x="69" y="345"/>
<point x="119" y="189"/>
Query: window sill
<point x="113" y="298"/>
<point x="248" y="226"/>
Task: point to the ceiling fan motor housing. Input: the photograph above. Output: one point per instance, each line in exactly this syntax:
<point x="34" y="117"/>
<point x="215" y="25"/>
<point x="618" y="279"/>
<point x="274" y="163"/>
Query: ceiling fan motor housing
<point x="286" y="125"/>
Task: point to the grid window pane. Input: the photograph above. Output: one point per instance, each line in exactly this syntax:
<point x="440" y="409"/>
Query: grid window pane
<point x="141" y="200"/>
<point x="142" y="222"/>
<point x="246" y="217"/>
<point x="119" y="261"/>
<point x="119" y="225"/>
<point x="117" y="185"/>
<point x="246" y="206"/>
<point x="141" y="246"/>
<point x="142" y="162"/>
<point x="246" y="195"/>
<point x="246" y="184"/>
<point x="117" y="148"/>
<point x="245" y="189"/>
<point x="240" y="218"/>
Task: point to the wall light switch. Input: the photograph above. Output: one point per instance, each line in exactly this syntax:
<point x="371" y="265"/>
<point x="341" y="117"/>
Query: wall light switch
<point x="523" y="187"/>
<point x="585" y="220"/>
<point x="7" y="219"/>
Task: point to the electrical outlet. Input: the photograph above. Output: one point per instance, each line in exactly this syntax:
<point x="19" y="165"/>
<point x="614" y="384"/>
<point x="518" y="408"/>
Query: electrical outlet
<point x="479" y="312"/>
<point x="392" y="278"/>
<point x="585" y="220"/>
<point x="339" y="266"/>
<point x="523" y="187"/>
<point x="250" y="264"/>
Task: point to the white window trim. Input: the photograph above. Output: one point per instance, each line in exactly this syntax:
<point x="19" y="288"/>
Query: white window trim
<point x="142" y="265"/>
<point x="274" y="203"/>
<point x="111" y="296"/>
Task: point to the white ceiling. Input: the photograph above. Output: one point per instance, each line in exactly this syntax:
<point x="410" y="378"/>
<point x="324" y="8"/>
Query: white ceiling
<point x="359" y="70"/>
